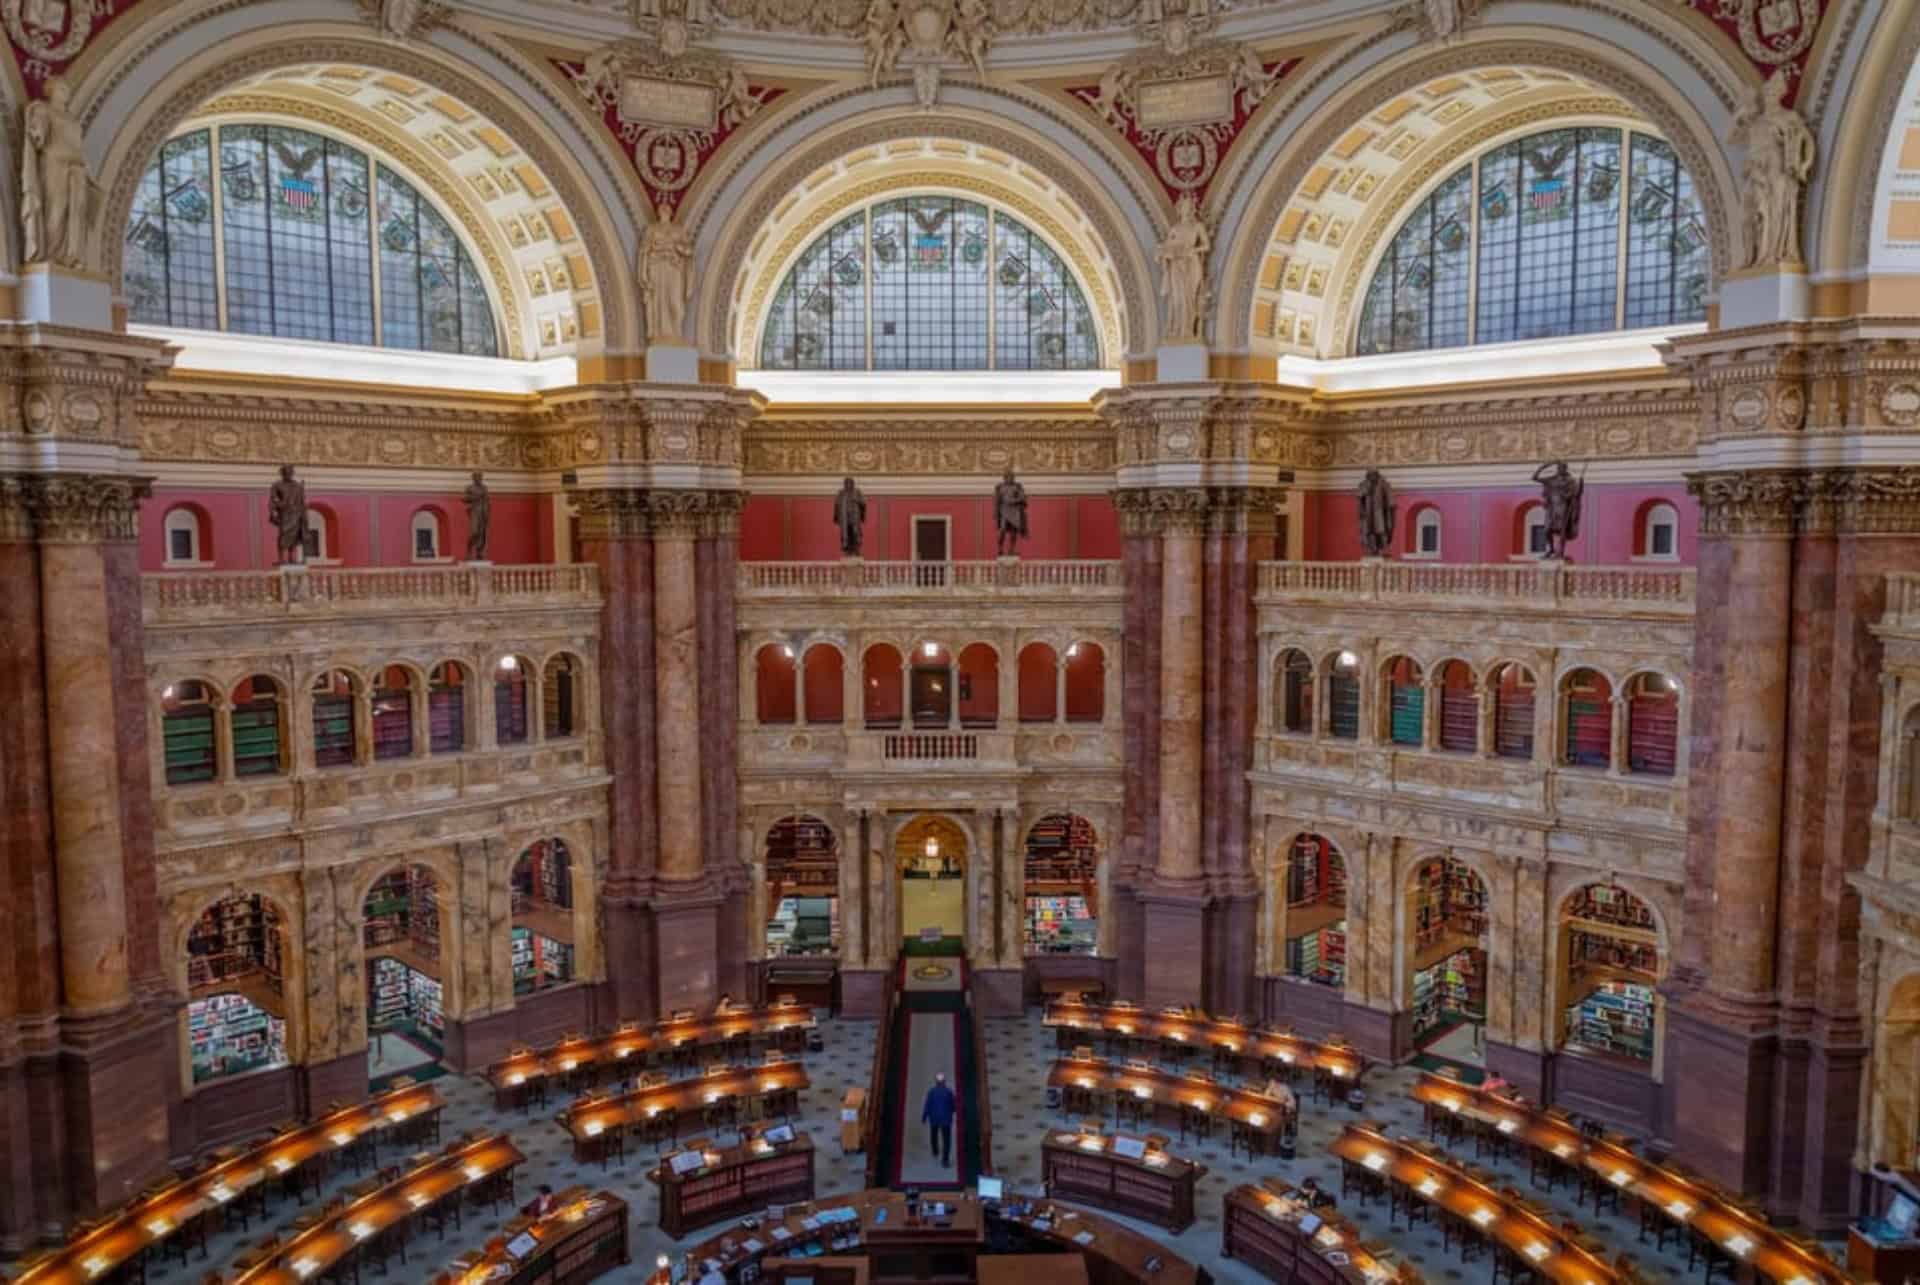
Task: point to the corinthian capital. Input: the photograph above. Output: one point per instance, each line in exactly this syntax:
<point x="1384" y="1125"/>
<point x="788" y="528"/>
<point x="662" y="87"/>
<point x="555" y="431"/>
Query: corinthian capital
<point x="611" y="513"/>
<point x="74" y="508"/>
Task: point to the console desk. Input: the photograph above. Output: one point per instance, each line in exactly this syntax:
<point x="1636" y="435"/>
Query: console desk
<point x="1171" y="1090"/>
<point x="1198" y="1031"/>
<point x="581" y="1241"/>
<point x="590" y="1117"/>
<point x="1089" y="1168"/>
<point x="732" y="1182"/>
<point x="1262" y="1228"/>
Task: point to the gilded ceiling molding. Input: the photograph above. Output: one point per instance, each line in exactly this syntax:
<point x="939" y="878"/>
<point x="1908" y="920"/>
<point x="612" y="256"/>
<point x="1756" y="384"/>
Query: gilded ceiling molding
<point x="775" y="264"/>
<point x="421" y="165"/>
<point x="1410" y="183"/>
<point x="131" y="151"/>
<point x="1411" y="69"/>
<point x="716" y="317"/>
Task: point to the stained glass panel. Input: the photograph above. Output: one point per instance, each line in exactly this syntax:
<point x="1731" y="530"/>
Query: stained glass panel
<point x="936" y="267"/>
<point x="297" y="228"/>
<point x="1544" y="247"/>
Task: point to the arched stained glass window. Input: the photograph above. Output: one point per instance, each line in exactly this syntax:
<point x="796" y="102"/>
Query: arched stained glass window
<point x="929" y="283"/>
<point x="1540" y="237"/>
<point x="287" y="241"/>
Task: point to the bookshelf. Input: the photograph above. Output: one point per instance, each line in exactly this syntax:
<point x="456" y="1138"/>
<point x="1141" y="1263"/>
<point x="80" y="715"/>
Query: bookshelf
<point x="1616" y="1018"/>
<point x="1161" y="1191"/>
<point x="1454" y="988"/>
<point x="1060" y="925"/>
<point x="1448" y="900"/>
<point x="387" y="994"/>
<point x="543" y="877"/>
<point x="238" y="938"/>
<point x="256" y="730"/>
<point x="1653" y="727"/>
<point x="392" y="723"/>
<point x="510" y="706"/>
<point x="1407" y="713"/>
<point x="1589" y="721"/>
<point x="187" y="737"/>
<point x="229" y="1034"/>
<point x="332" y="727"/>
<point x="539" y="961"/>
<point x="1602" y="904"/>
<point x="1061" y="849"/>
<point x="1320" y="956"/>
<point x="1343" y="707"/>
<point x="1459" y="719"/>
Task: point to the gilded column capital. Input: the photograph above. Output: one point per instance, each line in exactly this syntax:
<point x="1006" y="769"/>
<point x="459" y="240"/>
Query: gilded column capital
<point x="1181" y="510"/>
<point x="1869" y="501"/>
<point x="1245" y="510"/>
<point x="72" y="508"/>
<point x="611" y="513"/>
<point x="678" y="515"/>
<point x="723" y="513"/>
<point x="1748" y="501"/>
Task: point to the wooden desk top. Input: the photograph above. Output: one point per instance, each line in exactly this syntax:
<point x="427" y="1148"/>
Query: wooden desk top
<point x="1157" y="1161"/>
<point x="577" y="1207"/>
<point x="589" y="1117"/>
<point x="313" y="1251"/>
<point x="1538" y="1240"/>
<point x="150" y="1220"/>
<point x="1246" y="1106"/>
<point x="714" y="1158"/>
<point x="1202" y="1031"/>
<point x="1336" y="1242"/>
<point x="1074" y="1228"/>
<point x="569" y="1055"/>
<point x="1690" y="1201"/>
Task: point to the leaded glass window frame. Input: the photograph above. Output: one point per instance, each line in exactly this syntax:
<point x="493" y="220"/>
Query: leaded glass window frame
<point x="287" y="226"/>
<point x="929" y="281"/>
<point x="1578" y="229"/>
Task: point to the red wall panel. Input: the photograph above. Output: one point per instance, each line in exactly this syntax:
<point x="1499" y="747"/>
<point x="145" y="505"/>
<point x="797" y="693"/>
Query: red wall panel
<point x="1478" y="525"/>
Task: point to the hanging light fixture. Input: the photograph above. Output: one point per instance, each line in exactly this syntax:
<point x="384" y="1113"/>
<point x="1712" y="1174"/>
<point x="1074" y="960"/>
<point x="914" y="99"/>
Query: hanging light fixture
<point x="933" y="846"/>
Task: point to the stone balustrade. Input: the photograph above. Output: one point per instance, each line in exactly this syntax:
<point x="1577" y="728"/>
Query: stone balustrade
<point x="1005" y="577"/>
<point x="1544" y="586"/>
<point x="200" y="597"/>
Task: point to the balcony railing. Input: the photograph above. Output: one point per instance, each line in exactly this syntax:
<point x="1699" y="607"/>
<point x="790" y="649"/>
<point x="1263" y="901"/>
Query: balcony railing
<point x="1539" y="585"/>
<point x="198" y="597"/>
<point x="1013" y="577"/>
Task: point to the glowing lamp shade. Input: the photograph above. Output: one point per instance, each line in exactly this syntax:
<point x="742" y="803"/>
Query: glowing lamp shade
<point x="933" y="845"/>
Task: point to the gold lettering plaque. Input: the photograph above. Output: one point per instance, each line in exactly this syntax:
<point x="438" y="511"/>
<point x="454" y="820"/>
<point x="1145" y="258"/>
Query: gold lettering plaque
<point x="675" y="104"/>
<point x="1200" y="101"/>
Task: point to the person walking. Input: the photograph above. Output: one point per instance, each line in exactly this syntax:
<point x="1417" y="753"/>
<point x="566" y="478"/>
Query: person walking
<point x="938" y="1113"/>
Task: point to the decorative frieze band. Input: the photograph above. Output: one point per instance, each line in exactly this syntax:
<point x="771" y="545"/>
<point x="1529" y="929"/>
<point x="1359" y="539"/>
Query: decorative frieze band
<point x="624" y="513"/>
<point x="1862" y="501"/>
<point x="71" y="508"/>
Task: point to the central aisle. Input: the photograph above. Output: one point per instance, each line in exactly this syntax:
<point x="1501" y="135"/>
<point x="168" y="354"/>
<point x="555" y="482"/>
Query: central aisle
<point x="938" y="1037"/>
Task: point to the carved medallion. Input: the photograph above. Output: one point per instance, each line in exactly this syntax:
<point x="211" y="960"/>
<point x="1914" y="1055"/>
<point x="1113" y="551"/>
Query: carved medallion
<point x="1900" y="404"/>
<point x="1747" y="408"/>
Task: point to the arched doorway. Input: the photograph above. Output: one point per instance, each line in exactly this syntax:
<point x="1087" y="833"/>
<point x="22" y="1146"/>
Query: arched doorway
<point x="1062" y="893"/>
<point x="1313" y="927"/>
<point x="402" y="930"/>
<point x="1611" y="964"/>
<point x="542" y="883"/>
<point x="1446" y="959"/>
<point x="803" y="888"/>
<point x="236" y="988"/>
<point x="930" y="855"/>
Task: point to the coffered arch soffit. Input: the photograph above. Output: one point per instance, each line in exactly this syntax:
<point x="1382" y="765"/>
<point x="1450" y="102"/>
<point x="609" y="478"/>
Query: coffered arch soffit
<point x="847" y="151"/>
<point x="1870" y="156"/>
<point x="1375" y="86"/>
<point x="473" y="127"/>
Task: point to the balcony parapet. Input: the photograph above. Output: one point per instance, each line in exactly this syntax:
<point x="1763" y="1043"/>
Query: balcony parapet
<point x="207" y="597"/>
<point x="1539" y="586"/>
<point x="1003" y="578"/>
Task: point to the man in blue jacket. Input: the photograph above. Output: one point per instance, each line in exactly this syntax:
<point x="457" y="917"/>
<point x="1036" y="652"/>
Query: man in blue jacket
<point x="938" y="1112"/>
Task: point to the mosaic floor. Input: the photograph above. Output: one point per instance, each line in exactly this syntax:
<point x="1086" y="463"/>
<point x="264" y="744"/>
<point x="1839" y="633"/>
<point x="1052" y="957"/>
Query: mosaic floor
<point x="1018" y="1053"/>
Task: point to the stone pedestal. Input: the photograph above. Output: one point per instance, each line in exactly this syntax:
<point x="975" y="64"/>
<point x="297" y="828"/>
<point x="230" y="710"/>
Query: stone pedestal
<point x="687" y="946"/>
<point x="863" y="992"/>
<point x="1723" y="1090"/>
<point x="115" y="1076"/>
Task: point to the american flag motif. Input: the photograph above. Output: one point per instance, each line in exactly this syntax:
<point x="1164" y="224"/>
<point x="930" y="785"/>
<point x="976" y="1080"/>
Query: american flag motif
<point x="1547" y="193"/>
<point x="299" y="193"/>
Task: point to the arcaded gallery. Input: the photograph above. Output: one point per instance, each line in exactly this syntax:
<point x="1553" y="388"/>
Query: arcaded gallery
<point x="905" y="642"/>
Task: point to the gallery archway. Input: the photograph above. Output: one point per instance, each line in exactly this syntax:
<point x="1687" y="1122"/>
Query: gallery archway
<point x="1446" y="959"/>
<point x="406" y="987"/>
<point x="930" y="857"/>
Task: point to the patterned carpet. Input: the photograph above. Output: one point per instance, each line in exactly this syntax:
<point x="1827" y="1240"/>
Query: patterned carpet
<point x="1018" y="1053"/>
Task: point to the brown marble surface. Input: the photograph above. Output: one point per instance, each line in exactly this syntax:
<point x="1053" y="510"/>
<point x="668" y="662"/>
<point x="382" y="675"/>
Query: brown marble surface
<point x="1182" y="655"/>
<point x="677" y="703"/>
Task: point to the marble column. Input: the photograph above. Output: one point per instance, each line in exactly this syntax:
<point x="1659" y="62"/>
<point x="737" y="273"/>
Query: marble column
<point x="1174" y="904"/>
<point x="687" y="901"/>
<point x="1132" y="852"/>
<point x="613" y="536"/>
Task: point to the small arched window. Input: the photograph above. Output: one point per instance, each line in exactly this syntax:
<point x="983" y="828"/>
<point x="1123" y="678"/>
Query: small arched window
<point x="1343" y="697"/>
<point x="320" y="543"/>
<point x="1660" y="533"/>
<point x="256" y="727"/>
<point x="560" y="698"/>
<point x="1425" y="536"/>
<point x="447" y="708"/>
<point x="1533" y="531"/>
<point x="1589" y="719"/>
<point x="1293" y="704"/>
<point x="187" y="734"/>
<point x="186" y="539"/>
<point x="393" y="714"/>
<point x="335" y="719"/>
<point x="429" y="539"/>
<point x="510" y="715"/>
